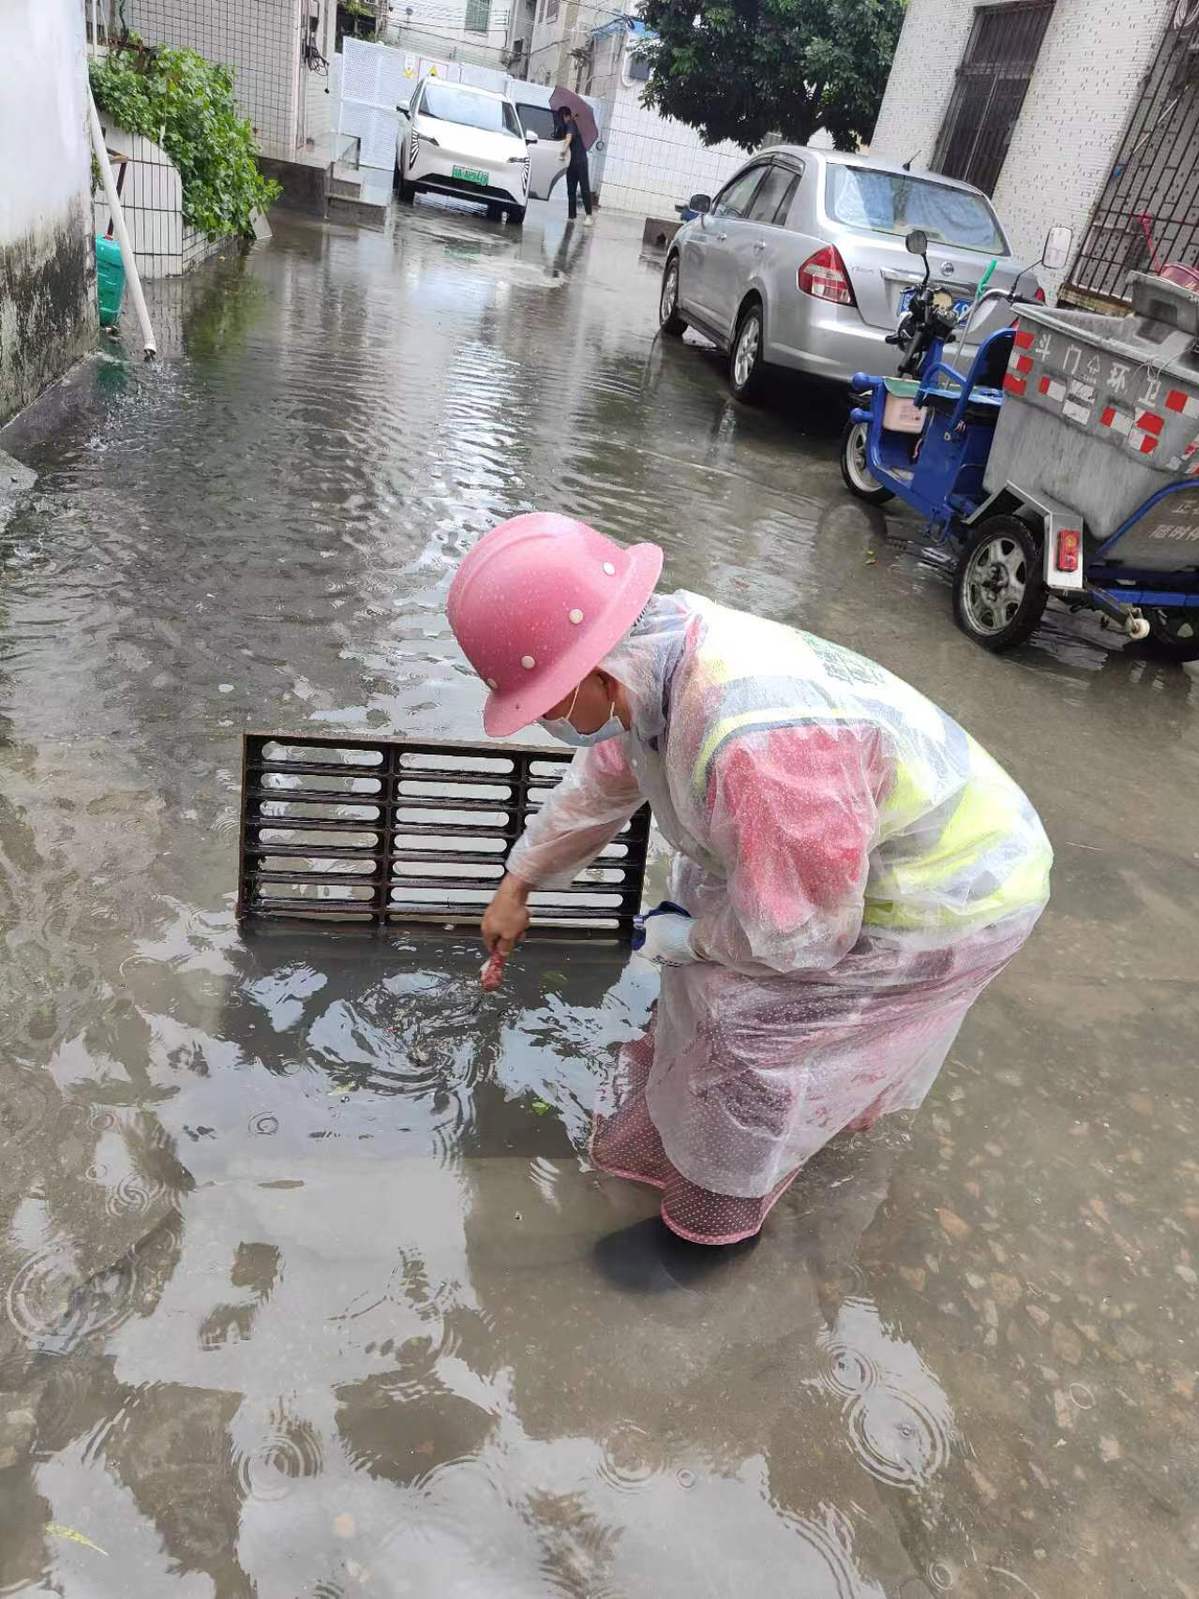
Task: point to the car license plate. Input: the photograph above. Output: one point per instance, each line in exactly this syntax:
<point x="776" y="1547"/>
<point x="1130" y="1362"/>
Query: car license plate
<point x="472" y="175"/>
<point x="961" y="308"/>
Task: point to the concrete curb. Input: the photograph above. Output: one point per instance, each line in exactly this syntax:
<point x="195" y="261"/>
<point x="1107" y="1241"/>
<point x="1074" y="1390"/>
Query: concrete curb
<point x="16" y="480"/>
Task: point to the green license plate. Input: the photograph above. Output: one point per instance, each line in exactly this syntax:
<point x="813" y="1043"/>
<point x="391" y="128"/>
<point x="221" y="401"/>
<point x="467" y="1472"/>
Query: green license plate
<point x="471" y="175"/>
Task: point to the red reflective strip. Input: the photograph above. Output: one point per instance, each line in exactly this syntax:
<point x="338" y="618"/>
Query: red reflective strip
<point x="1148" y="445"/>
<point x="1024" y="363"/>
<point x="1043" y="385"/>
<point x="1149" y="422"/>
<point x="1176" y="400"/>
<point x="1024" y="339"/>
<point x="1013" y="385"/>
<point x="1109" y="416"/>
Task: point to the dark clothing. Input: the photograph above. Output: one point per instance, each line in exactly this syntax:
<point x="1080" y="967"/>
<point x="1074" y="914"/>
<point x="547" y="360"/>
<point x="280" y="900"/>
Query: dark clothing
<point x="578" y="181"/>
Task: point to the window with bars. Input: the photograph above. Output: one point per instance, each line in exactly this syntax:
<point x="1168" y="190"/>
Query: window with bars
<point x="478" y="16"/>
<point x="989" y="91"/>
<point x="1147" y="213"/>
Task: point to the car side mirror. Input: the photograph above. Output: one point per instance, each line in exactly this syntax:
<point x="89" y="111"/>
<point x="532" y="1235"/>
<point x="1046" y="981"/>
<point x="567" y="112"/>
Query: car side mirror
<point x="1055" y="257"/>
<point x="531" y="138"/>
<point x="700" y="203"/>
<point x="916" y="242"/>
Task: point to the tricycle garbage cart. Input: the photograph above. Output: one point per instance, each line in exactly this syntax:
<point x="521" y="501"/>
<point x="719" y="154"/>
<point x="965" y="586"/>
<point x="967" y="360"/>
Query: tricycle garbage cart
<point x="1072" y="472"/>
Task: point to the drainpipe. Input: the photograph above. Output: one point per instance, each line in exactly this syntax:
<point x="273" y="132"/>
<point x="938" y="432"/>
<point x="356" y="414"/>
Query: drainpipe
<point x="121" y="231"/>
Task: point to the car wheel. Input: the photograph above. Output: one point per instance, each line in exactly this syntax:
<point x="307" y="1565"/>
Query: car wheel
<point x="999" y="592"/>
<point x="669" y="319"/>
<point x="857" y="475"/>
<point x="405" y="191"/>
<point x="1173" y="635"/>
<point x="747" y="369"/>
<point x="516" y="215"/>
<point x="495" y="213"/>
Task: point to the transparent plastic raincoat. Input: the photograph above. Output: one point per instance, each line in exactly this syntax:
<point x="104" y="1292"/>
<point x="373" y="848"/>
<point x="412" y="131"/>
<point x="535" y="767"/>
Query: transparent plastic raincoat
<point x="858" y="869"/>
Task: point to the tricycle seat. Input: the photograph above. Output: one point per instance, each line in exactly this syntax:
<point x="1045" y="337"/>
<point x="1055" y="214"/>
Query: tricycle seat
<point x="982" y="406"/>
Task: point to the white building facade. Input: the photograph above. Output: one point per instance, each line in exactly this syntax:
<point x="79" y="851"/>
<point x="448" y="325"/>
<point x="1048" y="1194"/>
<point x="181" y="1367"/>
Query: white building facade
<point x="1082" y="112"/>
<point x="470" y="31"/>
<point x="279" y="51"/>
<point x="47" y="276"/>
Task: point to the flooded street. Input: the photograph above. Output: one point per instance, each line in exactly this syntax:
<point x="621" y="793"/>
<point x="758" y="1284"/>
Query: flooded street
<point x="309" y="1289"/>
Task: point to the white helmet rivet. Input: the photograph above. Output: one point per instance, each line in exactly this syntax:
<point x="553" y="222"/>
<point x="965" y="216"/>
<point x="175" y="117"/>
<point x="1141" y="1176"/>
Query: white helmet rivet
<point x="576" y="617"/>
<point x="528" y="662"/>
<point x="491" y="683"/>
<point x="609" y="569"/>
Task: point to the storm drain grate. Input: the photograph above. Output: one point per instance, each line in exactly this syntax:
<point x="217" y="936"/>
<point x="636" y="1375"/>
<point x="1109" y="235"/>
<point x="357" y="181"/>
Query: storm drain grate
<point x="394" y="831"/>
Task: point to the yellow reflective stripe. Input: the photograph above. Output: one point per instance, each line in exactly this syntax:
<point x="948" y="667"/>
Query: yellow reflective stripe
<point x="1027" y="884"/>
<point x="767" y="717"/>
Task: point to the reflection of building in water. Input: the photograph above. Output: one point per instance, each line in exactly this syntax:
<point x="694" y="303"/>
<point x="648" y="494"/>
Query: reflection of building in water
<point x="402" y="1326"/>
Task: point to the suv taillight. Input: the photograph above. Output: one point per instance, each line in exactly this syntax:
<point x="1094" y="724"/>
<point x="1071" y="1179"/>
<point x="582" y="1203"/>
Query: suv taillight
<point x="824" y="277"/>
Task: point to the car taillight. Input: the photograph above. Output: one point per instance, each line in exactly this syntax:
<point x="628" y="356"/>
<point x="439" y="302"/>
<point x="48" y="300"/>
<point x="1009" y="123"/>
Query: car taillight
<point x="1069" y="543"/>
<point x="1039" y="294"/>
<point x="824" y="277"/>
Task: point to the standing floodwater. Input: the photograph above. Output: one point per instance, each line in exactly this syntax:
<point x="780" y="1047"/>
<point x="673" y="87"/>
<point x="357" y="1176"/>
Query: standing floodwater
<point x="306" y="1288"/>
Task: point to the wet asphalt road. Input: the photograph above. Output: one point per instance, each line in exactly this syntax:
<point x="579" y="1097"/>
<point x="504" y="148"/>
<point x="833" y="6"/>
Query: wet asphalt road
<point x="307" y="1290"/>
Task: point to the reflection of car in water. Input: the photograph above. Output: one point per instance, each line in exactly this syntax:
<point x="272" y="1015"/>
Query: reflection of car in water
<point x="800" y="261"/>
<point x="468" y="142"/>
<point x="547" y="156"/>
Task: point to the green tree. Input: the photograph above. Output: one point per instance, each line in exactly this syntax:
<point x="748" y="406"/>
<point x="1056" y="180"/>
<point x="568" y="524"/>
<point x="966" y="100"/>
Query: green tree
<point x="186" y="105"/>
<point x="745" y="69"/>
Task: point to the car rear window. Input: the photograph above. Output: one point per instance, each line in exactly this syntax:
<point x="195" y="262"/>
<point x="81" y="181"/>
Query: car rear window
<point x="450" y="103"/>
<point x="891" y="202"/>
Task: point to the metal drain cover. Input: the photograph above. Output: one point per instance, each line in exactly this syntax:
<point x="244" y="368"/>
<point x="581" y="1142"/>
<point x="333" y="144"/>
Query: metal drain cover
<point x="409" y="831"/>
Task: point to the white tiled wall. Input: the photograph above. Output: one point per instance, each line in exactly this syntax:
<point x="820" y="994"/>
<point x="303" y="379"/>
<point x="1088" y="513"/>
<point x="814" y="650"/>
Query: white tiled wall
<point x="151" y="200"/>
<point x="259" y="39"/>
<point x="652" y="164"/>
<point x="1082" y="92"/>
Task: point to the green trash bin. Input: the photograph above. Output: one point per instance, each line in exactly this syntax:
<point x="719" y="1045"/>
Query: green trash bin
<point x="110" y="279"/>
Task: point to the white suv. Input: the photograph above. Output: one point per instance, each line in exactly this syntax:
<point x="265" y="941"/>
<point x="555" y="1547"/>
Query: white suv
<point x="454" y="139"/>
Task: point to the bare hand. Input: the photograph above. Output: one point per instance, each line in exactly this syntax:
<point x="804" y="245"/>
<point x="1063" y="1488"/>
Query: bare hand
<point x="506" y="919"/>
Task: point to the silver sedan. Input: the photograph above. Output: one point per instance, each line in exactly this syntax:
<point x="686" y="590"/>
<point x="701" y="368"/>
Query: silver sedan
<point x="800" y="262"/>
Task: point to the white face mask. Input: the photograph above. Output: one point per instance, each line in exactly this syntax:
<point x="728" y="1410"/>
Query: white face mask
<point x="568" y="733"/>
<point x="563" y="729"/>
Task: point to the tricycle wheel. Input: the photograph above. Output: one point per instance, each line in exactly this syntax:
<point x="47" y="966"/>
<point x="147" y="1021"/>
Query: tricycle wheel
<point x="857" y="475"/>
<point x="999" y="592"/>
<point x="1173" y="635"/>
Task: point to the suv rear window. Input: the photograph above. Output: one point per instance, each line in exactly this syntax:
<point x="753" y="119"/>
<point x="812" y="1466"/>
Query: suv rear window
<point x="451" y="103"/>
<point x="891" y="202"/>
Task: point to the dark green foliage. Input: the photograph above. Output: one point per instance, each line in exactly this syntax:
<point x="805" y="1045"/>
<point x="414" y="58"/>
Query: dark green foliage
<point x="747" y="69"/>
<point x="185" y="104"/>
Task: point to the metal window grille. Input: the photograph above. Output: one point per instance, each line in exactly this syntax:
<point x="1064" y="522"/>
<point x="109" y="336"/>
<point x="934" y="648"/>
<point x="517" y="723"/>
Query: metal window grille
<point x="478" y="16"/>
<point x="1148" y="212"/>
<point x="397" y="831"/>
<point x="989" y="90"/>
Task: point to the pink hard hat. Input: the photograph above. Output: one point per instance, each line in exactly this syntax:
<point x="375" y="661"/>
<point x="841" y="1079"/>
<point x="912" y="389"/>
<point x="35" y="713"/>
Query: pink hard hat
<point x="538" y="603"/>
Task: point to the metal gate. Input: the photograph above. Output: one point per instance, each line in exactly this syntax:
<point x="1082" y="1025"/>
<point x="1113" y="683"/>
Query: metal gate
<point x="1148" y="212"/>
<point x="989" y="90"/>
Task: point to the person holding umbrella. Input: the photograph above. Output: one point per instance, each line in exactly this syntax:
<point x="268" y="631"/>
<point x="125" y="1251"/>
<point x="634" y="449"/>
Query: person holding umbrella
<point x="579" y="130"/>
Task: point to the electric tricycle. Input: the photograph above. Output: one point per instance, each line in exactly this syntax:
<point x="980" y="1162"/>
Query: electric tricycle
<point x="1060" y="457"/>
